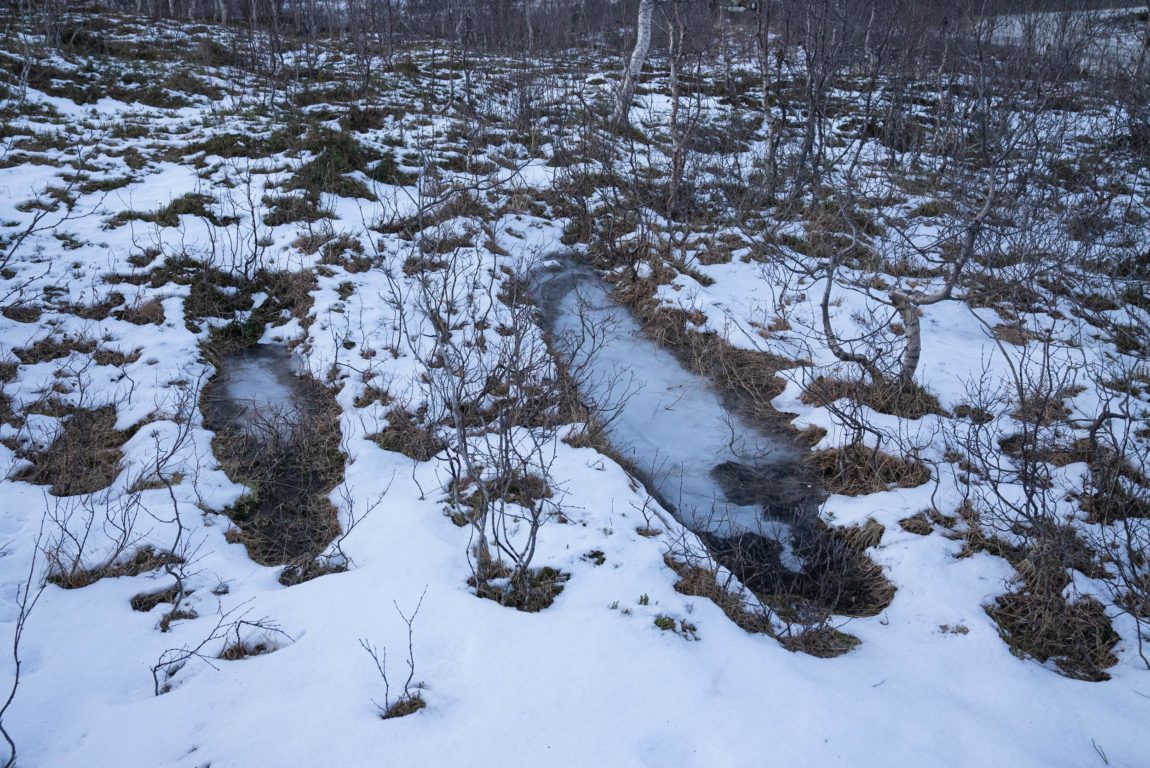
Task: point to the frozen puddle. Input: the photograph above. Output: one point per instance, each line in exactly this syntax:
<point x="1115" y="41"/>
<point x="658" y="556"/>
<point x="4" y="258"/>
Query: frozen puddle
<point x="719" y="474"/>
<point x="256" y="393"/>
<point x="277" y="432"/>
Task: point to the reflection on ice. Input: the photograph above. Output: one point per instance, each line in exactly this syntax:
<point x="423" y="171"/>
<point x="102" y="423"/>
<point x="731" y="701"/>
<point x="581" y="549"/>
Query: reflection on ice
<point x="256" y="390"/>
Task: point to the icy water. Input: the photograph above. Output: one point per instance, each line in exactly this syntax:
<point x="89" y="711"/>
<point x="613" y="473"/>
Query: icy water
<point x="257" y="392"/>
<point x="720" y="474"/>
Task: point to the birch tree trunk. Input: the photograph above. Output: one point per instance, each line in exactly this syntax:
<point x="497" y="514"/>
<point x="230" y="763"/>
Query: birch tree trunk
<point x="678" y="138"/>
<point x="1145" y="51"/>
<point x="635" y="66"/>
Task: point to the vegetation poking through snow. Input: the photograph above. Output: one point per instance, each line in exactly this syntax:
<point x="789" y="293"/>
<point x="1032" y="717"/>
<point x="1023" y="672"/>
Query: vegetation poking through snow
<point x="906" y="244"/>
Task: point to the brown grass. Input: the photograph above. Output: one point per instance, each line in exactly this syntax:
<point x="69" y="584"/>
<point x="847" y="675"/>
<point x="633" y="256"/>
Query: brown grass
<point x="404" y="434"/>
<point x="113" y="357"/>
<point x="84" y="457"/>
<point x="748" y="378"/>
<point x="823" y="642"/>
<point x="884" y="397"/>
<point x="856" y="470"/>
<point x="143" y="313"/>
<point x="1016" y="334"/>
<point x="1076" y="636"/>
<point x="697" y="581"/>
<point x="23" y="313"/>
<point x="408" y="705"/>
<point x="307" y="568"/>
<point x="143" y="560"/>
<point x="244" y="650"/>
<point x="529" y="592"/>
<point x="918" y="524"/>
<point x="55" y="347"/>
<point x="146" y="601"/>
<point x="1043" y="413"/>
<point x="347" y="252"/>
<point x="288" y="209"/>
<point x="975" y="538"/>
<point x="1113" y="503"/>
<point x="839" y="576"/>
<point x="372" y="394"/>
<point x="973" y="413"/>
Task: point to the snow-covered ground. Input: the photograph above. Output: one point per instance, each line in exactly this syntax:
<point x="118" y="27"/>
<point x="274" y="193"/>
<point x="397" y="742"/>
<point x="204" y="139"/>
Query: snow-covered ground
<point x="594" y="679"/>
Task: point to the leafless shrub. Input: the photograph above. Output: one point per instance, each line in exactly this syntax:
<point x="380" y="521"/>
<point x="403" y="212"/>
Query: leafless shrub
<point x="171" y="661"/>
<point x="107" y="524"/>
<point x="252" y="638"/>
<point x="1013" y="510"/>
<point x="411" y="699"/>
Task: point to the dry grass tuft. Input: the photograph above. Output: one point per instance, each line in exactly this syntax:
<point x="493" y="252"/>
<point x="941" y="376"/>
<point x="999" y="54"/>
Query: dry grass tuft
<point x="860" y="537"/>
<point x="404" y="707"/>
<point x="697" y="581"/>
<point x="404" y="434"/>
<point x="55" y="347"/>
<point x="372" y="394"/>
<point x="918" y="524"/>
<point x="1114" y="503"/>
<point x="143" y="313"/>
<point x="530" y="592"/>
<point x="307" y="568"/>
<point x="22" y="313"/>
<point x="347" y="252"/>
<point x="855" y="470"/>
<point x="1045" y="409"/>
<point x="1077" y="636"/>
<point x="884" y="397"/>
<point x="823" y="642"/>
<point x="143" y="560"/>
<point x="1016" y="334"/>
<point x="146" y="601"/>
<point x="245" y="650"/>
<point x="84" y="457"/>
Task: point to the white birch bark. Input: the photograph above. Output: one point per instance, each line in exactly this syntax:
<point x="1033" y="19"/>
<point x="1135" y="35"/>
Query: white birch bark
<point x="635" y="65"/>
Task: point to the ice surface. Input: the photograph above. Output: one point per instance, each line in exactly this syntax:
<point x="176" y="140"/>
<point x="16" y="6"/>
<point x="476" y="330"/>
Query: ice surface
<point x="257" y="389"/>
<point x="671" y="424"/>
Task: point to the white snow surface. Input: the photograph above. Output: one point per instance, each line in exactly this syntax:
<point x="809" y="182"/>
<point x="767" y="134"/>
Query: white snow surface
<point x="590" y="681"/>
